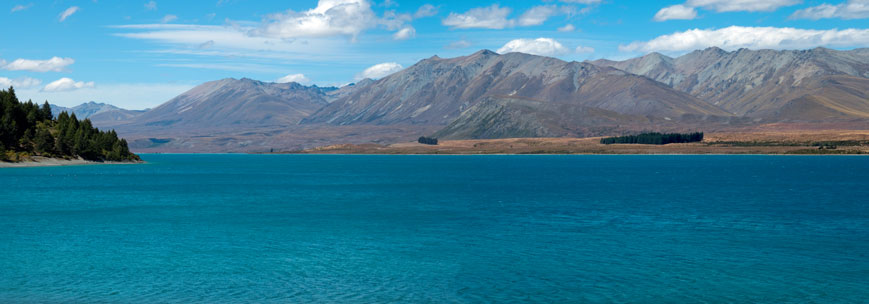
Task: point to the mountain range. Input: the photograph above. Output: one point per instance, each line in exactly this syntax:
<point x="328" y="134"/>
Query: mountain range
<point x="101" y="114"/>
<point x="490" y="95"/>
<point x="805" y="85"/>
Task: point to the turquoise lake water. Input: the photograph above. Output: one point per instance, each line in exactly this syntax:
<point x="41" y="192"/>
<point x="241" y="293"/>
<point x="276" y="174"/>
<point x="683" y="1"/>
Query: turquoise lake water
<point x="420" y="229"/>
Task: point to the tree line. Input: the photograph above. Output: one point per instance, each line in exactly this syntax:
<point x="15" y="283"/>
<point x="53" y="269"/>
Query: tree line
<point x="427" y="140"/>
<point x="27" y="129"/>
<point x="654" y="138"/>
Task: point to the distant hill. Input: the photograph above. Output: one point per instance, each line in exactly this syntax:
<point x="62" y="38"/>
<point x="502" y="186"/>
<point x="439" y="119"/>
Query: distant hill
<point x="101" y="114"/>
<point x="235" y="103"/>
<point x="803" y="85"/>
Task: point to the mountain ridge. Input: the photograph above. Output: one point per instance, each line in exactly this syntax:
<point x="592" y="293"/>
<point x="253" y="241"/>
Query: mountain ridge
<point x="491" y="95"/>
<point x="752" y="82"/>
<point x="230" y="101"/>
<point x="436" y="91"/>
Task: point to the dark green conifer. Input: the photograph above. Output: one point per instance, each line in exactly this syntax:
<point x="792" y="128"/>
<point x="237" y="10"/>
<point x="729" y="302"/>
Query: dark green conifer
<point x="27" y="128"/>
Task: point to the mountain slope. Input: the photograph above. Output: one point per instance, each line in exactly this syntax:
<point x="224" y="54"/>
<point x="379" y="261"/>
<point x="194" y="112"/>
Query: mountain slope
<point x="757" y="83"/>
<point x="505" y="117"/>
<point x="436" y="91"/>
<point x="235" y="102"/>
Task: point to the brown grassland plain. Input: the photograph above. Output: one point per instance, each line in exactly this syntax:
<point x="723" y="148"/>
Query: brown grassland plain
<point x="736" y="142"/>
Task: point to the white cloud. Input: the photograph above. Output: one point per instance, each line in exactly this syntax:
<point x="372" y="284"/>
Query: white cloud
<point x="405" y="33"/>
<point x="735" y="37"/>
<point x="19" y="83"/>
<point x="537" y="15"/>
<point x="852" y="9"/>
<point x="741" y="5"/>
<point x="490" y="17"/>
<point x="676" y="12"/>
<point x="567" y="28"/>
<point x="584" y="50"/>
<point x="539" y="46"/>
<point x="379" y="70"/>
<point x="55" y="64"/>
<point x="461" y="44"/>
<point x="426" y="10"/>
<point x="300" y="78"/>
<point x="68" y="12"/>
<point x="151" y="5"/>
<point x="329" y="18"/>
<point x="168" y="18"/>
<point x="66" y="84"/>
<point x="20" y="7"/>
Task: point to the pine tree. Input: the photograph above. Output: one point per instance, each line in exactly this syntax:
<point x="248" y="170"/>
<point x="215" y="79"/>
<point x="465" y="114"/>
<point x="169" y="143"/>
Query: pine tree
<point x="44" y="142"/>
<point x="46" y="111"/>
<point x="78" y="143"/>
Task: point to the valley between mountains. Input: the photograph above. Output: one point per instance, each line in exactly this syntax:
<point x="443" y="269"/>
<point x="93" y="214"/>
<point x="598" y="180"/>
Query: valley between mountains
<point x="487" y="95"/>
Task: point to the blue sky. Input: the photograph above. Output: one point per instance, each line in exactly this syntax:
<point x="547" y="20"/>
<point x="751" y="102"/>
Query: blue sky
<point x="139" y="54"/>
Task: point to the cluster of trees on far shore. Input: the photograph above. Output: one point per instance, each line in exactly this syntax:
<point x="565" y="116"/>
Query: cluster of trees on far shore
<point x="654" y="138"/>
<point x="427" y="140"/>
<point x="26" y="129"/>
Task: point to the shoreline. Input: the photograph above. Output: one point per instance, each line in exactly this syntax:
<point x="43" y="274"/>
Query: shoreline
<point x="38" y="161"/>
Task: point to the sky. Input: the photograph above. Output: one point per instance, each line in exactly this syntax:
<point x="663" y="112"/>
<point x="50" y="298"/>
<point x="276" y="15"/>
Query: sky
<point x="138" y="54"/>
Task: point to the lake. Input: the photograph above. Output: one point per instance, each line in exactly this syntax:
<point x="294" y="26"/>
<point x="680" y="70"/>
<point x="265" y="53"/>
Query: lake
<point x="418" y="229"/>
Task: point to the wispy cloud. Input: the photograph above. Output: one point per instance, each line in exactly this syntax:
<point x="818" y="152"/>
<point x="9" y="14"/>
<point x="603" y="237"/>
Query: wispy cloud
<point x="852" y="9"/>
<point x="151" y="5"/>
<point x="537" y="15"/>
<point x="687" y="11"/>
<point x="742" y="5"/>
<point x="68" y="12"/>
<point x="490" y="17"/>
<point x="497" y="17"/>
<point x="206" y="45"/>
<point x="426" y="10"/>
<point x="20" y="7"/>
<point x="235" y="67"/>
<point x="461" y="44"/>
<point x="676" y="12"/>
<point x="226" y="40"/>
<point x="582" y="1"/>
<point x="168" y="18"/>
